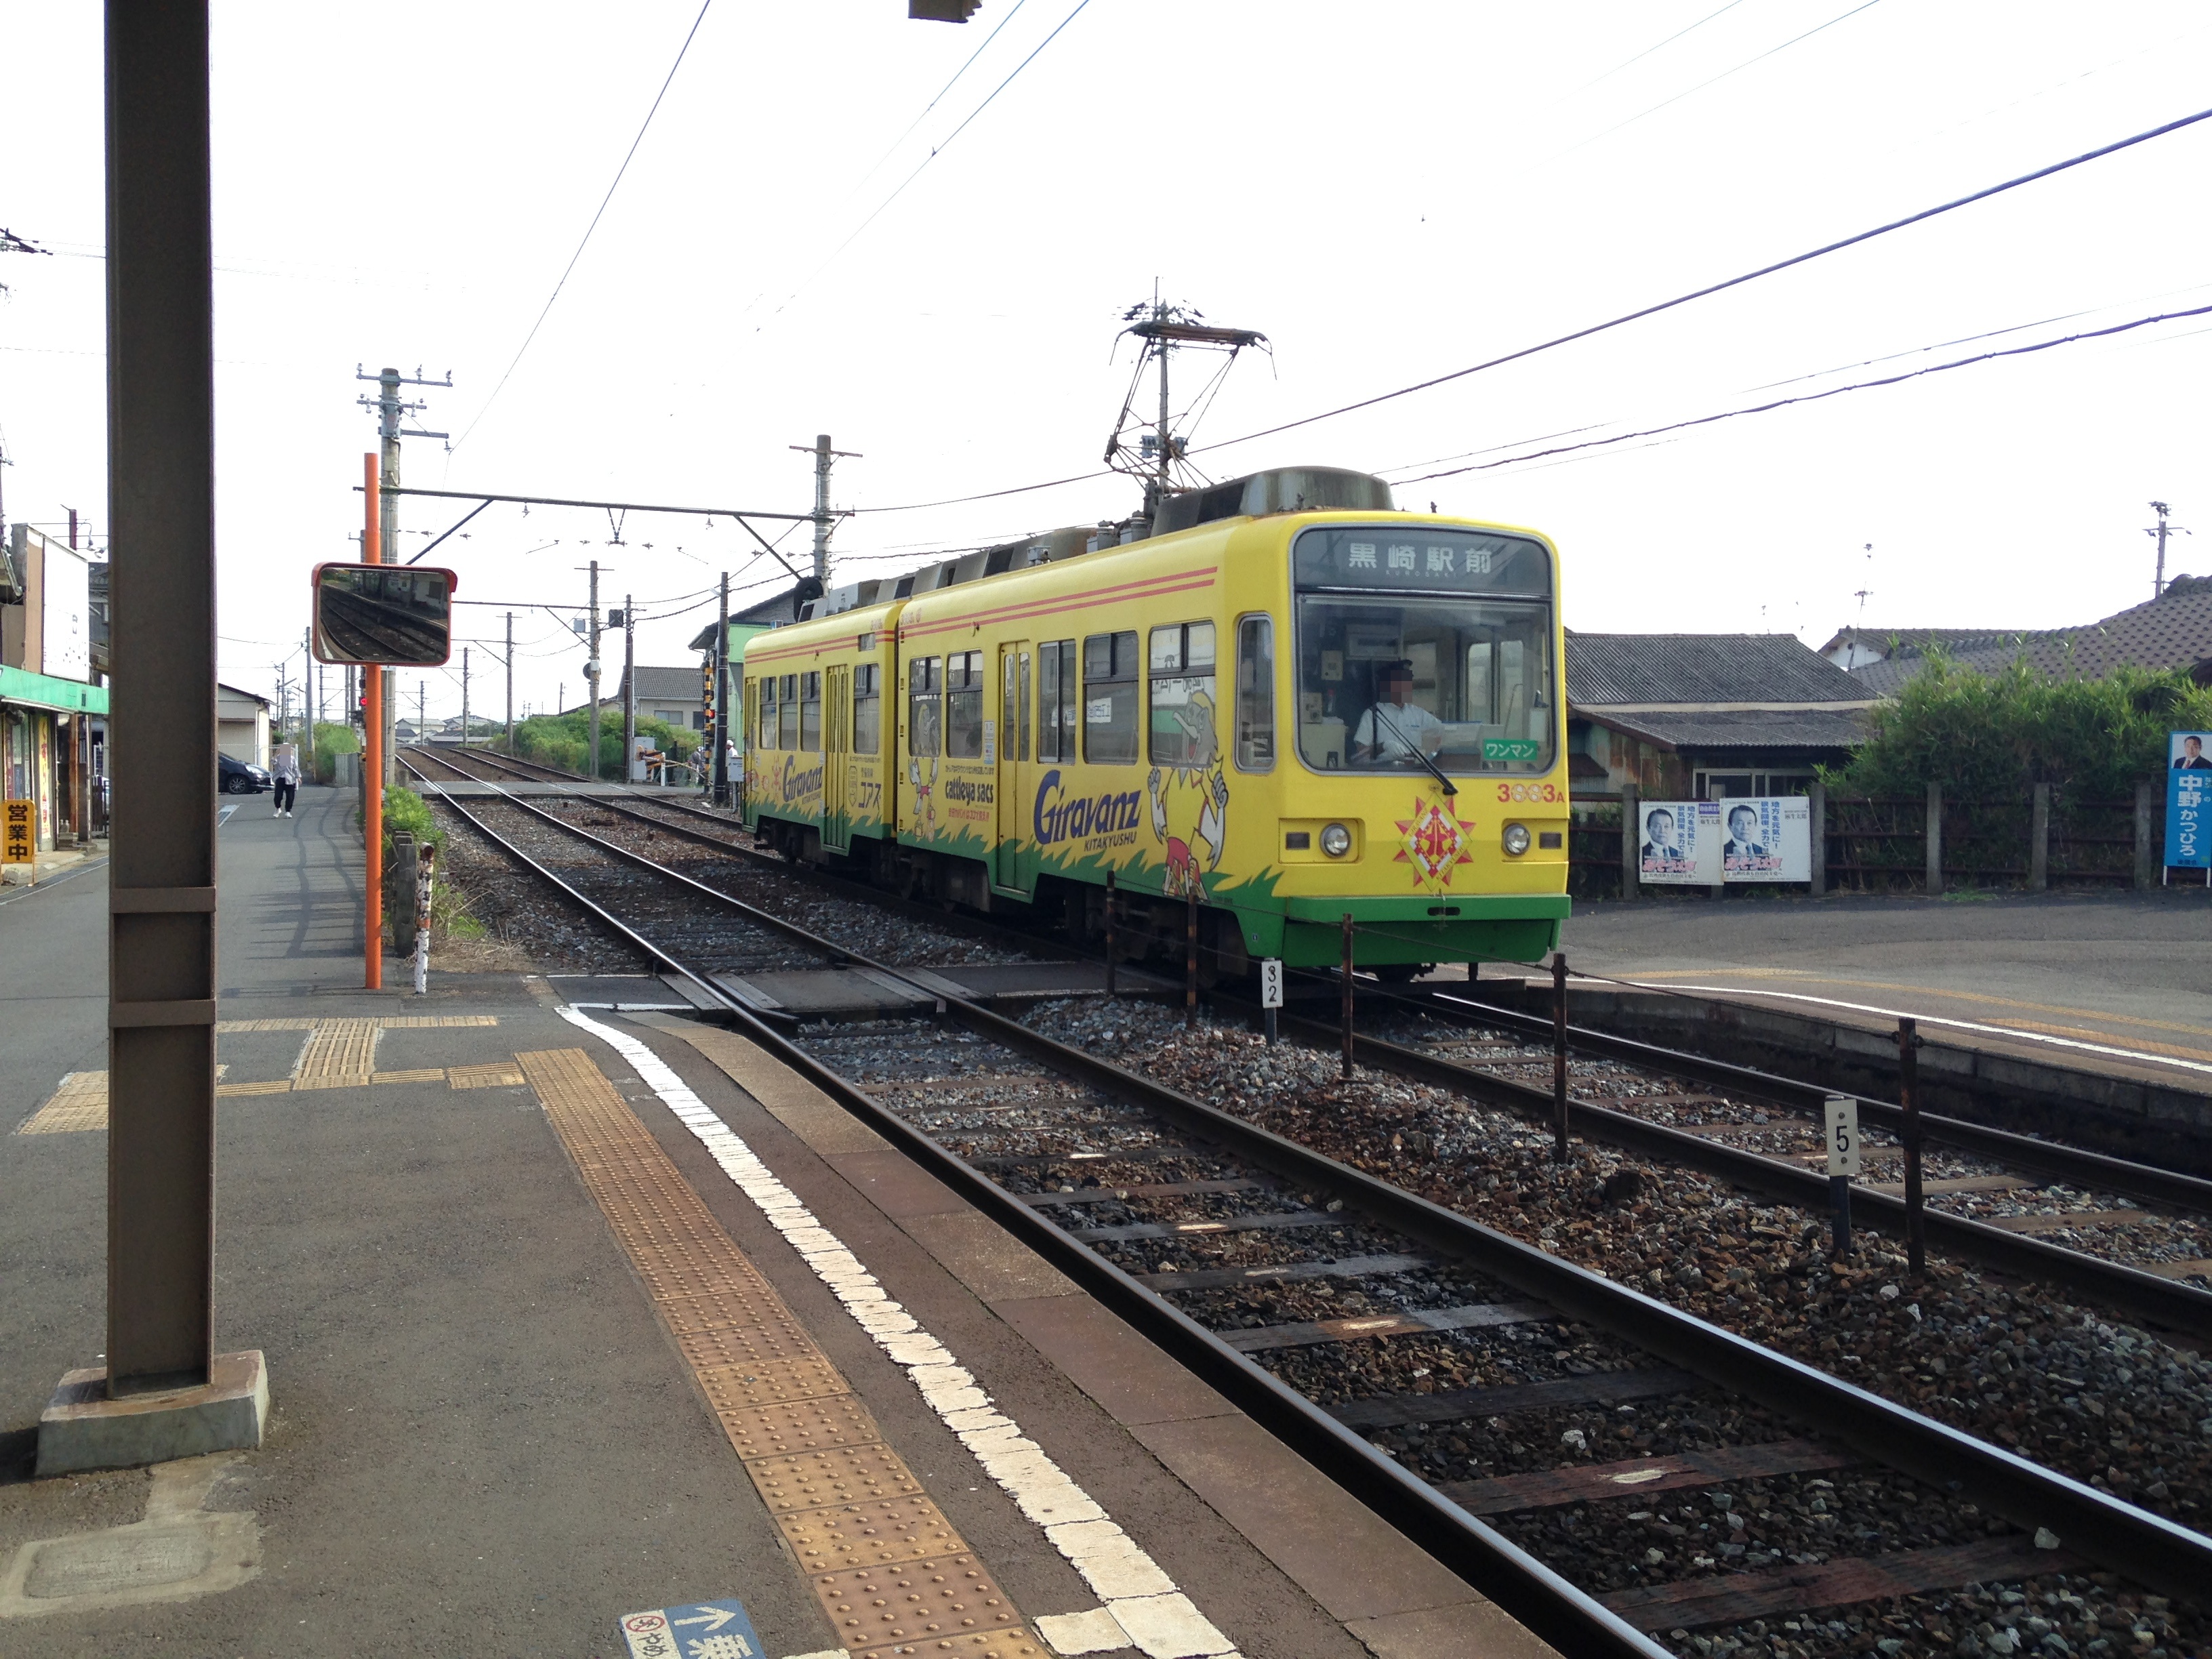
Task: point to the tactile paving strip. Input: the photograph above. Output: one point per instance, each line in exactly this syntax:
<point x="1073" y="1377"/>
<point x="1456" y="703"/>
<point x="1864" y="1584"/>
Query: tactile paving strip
<point x="338" y="1048"/>
<point x="916" y="1604"/>
<point x="892" y="1574"/>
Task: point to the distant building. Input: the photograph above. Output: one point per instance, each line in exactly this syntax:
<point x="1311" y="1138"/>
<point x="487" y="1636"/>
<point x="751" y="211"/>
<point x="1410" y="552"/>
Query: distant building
<point x="241" y="725"/>
<point x="1701" y="716"/>
<point x="53" y="708"/>
<point x="673" y="694"/>
<point x="2173" y="630"/>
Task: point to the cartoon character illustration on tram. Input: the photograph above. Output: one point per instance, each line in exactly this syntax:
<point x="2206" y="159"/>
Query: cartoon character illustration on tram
<point x="1190" y="801"/>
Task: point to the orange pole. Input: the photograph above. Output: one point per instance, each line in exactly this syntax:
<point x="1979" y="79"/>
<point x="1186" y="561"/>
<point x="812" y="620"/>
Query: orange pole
<point x="372" y="760"/>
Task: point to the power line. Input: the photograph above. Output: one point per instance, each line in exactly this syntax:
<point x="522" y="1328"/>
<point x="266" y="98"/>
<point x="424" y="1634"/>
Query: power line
<point x="589" y="229"/>
<point x="941" y="91"/>
<point x="1832" y="392"/>
<point x="1863" y="6"/>
<point x="1627" y="318"/>
<point x="1648" y="50"/>
<point x="1733" y="282"/>
<point x="936" y="151"/>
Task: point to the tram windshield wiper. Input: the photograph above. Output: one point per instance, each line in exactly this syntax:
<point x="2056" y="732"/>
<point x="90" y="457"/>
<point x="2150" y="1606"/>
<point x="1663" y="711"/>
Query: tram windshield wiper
<point x="1413" y="749"/>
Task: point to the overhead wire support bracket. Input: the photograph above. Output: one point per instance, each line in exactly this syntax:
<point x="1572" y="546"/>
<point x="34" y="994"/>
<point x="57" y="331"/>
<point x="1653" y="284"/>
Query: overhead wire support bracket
<point x="741" y="514"/>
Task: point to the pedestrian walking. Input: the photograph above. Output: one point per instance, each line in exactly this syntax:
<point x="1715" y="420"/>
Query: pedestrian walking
<point x="285" y="770"/>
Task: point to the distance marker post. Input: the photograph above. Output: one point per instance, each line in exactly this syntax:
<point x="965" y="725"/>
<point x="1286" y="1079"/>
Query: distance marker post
<point x="1271" y="993"/>
<point x="1842" y="1137"/>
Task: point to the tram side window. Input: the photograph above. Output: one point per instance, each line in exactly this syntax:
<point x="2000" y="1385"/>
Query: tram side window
<point x="1056" y="704"/>
<point x="1014" y="706"/>
<point x="964" y="705"/>
<point x="1183" y="731"/>
<point x="1110" y="698"/>
<point x="924" y="689"/>
<point x="809" y="713"/>
<point x="787" y="712"/>
<point x="766" y="737"/>
<point x="1255" y="693"/>
<point x="867" y="709"/>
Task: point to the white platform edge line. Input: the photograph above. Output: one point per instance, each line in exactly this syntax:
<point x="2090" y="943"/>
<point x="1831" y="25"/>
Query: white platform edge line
<point x="1072" y="1522"/>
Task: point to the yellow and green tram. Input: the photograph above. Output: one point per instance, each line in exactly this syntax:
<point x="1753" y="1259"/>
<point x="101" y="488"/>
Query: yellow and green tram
<point x="1288" y="701"/>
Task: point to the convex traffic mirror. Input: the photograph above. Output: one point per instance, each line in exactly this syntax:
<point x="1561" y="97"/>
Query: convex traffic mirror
<point x="395" y="615"/>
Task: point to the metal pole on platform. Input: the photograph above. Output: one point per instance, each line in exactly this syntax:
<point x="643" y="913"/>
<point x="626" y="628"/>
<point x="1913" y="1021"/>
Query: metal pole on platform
<point x="372" y="767"/>
<point x="160" y="511"/>
<point x="1346" y="1009"/>
<point x="1560" y="1055"/>
<point x="629" y="689"/>
<point x="719" y="762"/>
<point x="1908" y="1105"/>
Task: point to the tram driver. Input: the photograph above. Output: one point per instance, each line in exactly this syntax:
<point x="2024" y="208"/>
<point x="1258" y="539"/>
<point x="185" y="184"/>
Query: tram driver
<point x="1403" y="726"/>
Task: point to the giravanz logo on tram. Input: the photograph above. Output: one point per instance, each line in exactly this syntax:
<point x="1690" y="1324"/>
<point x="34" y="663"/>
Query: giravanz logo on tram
<point x="1281" y="717"/>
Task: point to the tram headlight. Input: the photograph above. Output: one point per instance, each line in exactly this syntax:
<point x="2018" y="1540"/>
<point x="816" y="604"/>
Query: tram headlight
<point x="1336" y="841"/>
<point x="1516" y="839"/>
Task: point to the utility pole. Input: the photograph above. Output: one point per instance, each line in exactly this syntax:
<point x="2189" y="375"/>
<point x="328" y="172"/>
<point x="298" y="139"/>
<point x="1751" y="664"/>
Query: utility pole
<point x="313" y="692"/>
<point x="592" y="676"/>
<point x="422" y="717"/>
<point x="629" y="690"/>
<point x="465" y="694"/>
<point x="2162" y="531"/>
<point x="823" y="455"/>
<point x="389" y="411"/>
<point x="510" y="682"/>
<point x="720" y="735"/>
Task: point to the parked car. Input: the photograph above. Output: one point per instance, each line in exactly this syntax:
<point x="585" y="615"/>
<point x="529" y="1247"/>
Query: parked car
<point x="236" y="777"/>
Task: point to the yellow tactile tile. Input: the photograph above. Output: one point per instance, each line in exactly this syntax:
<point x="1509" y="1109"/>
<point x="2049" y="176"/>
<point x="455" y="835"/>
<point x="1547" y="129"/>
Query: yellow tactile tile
<point x="872" y="1542"/>
<point x="495" y="1074"/>
<point x="338" y="1048"/>
<point x="80" y="1105"/>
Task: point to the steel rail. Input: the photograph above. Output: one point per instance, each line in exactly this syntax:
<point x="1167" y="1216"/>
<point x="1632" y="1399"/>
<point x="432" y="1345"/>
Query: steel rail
<point x="1556" y="1611"/>
<point x="2147" y="1548"/>
<point x="2069" y="1163"/>
<point x="2162" y="1301"/>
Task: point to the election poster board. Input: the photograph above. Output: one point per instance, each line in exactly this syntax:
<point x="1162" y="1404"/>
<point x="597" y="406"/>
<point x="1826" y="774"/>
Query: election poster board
<point x="1768" y="839"/>
<point x="1700" y="843"/>
<point x="2188" y="800"/>
<point x="1681" y="844"/>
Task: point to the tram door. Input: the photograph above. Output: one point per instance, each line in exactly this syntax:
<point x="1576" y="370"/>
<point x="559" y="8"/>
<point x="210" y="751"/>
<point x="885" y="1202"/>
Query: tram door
<point x="1011" y="868"/>
<point x="837" y="759"/>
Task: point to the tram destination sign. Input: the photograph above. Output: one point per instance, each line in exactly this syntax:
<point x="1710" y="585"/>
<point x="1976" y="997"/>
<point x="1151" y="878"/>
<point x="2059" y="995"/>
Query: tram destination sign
<point x="1420" y="559"/>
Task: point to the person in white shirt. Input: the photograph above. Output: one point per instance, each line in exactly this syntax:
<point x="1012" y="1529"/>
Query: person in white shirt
<point x="1403" y="726"/>
<point x="285" y="769"/>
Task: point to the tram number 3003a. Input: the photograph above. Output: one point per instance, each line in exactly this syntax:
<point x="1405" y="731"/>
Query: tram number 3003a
<point x="1527" y="791"/>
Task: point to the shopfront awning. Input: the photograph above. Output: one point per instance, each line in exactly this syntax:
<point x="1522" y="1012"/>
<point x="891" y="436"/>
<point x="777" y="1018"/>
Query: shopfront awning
<point x="25" y="690"/>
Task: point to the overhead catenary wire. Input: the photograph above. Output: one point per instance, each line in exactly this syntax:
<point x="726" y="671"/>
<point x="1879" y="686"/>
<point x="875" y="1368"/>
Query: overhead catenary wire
<point x="1621" y="321"/>
<point x="569" y="270"/>
<point x="1832" y="392"/>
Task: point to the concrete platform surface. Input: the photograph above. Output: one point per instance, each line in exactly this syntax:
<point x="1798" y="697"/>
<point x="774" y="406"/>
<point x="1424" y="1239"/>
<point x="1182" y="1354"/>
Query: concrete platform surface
<point x="2105" y="983"/>
<point x="544" y="1349"/>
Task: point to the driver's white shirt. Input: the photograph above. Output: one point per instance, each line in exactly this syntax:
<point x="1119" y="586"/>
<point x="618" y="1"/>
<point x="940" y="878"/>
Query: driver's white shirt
<point x="1402" y="729"/>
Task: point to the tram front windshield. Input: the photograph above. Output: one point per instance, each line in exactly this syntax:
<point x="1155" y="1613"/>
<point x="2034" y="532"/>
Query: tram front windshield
<point x="1417" y="642"/>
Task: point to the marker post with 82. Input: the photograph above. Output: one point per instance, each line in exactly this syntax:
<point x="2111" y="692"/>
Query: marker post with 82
<point x="1842" y="1137"/>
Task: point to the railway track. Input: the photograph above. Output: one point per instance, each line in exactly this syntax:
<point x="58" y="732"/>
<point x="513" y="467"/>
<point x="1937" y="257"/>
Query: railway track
<point x="1643" y="1472"/>
<point x="2029" y="1208"/>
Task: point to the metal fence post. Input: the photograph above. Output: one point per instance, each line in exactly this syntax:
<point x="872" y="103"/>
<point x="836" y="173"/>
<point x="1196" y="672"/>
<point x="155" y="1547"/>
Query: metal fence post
<point x="1816" y="814"/>
<point x="2038" y="840"/>
<point x="1347" y="993"/>
<point x="1190" y="960"/>
<point x="1908" y="1104"/>
<point x="2146" y="854"/>
<point x="1631" y="812"/>
<point x="1559" y="1054"/>
<point x="1110" y="933"/>
<point x="1935" y="838"/>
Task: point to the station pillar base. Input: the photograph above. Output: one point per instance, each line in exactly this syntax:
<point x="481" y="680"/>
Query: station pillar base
<point x="83" y="1429"/>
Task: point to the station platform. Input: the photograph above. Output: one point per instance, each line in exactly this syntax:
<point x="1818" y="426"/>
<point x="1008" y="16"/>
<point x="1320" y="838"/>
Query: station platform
<point x="575" y="1312"/>
<point x="2104" y="983"/>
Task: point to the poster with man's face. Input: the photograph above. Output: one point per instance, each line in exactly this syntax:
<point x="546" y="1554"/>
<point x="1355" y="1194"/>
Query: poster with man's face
<point x="2190" y="751"/>
<point x="2188" y="801"/>
<point x="1679" y="844"/>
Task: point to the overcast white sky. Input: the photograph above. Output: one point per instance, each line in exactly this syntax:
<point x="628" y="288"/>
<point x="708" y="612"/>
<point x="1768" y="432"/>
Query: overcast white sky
<point x="1390" y="191"/>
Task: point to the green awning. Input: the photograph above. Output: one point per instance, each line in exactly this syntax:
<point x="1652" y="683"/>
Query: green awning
<point x="20" y="686"/>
